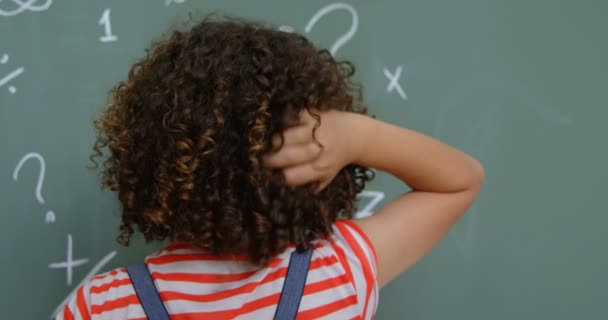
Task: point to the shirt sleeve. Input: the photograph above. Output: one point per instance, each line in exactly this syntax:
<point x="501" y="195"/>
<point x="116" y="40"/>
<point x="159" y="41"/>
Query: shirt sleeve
<point x="78" y="307"/>
<point x="362" y="263"/>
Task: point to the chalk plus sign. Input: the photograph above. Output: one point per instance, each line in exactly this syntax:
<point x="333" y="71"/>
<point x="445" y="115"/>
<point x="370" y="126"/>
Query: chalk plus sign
<point x="68" y="264"/>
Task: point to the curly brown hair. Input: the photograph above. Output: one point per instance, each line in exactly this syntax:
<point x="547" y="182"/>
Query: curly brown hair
<point x="187" y="130"/>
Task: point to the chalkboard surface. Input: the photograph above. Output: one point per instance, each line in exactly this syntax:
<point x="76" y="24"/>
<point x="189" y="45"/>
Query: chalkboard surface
<point x="521" y="85"/>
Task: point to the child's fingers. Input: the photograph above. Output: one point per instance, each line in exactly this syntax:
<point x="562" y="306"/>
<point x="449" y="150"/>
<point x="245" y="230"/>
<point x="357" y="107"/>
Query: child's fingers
<point x="304" y="117"/>
<point x="292" y="155"/>
<point x="300" y="175"/>
<point x="293" y="136"/>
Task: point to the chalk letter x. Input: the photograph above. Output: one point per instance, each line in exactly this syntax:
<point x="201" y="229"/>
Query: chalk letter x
<point x="394" y="82"/>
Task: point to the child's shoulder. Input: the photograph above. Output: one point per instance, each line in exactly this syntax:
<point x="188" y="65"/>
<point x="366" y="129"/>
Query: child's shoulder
<point x="110" y="286"/>
<point x="351" y="241"/>
<point x="109" y="279"/>
<point x="107" y="292"/>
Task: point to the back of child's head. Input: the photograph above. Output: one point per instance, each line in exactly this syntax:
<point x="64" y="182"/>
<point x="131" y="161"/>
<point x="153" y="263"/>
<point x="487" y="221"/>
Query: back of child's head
<point x="186" y="133"/>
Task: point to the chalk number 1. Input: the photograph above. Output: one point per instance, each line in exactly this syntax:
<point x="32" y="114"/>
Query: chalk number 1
<point x="107" y="27"/>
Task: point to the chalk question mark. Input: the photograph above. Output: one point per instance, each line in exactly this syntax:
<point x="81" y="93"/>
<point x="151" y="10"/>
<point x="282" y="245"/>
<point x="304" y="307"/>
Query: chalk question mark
<point x="342" y="40"/>
<point x="345" y="37"/>
<point x="50" y="215"/>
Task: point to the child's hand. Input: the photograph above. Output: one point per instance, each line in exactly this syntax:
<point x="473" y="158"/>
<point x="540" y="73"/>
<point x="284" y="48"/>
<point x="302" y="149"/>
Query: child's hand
<point x="305" y="160"/>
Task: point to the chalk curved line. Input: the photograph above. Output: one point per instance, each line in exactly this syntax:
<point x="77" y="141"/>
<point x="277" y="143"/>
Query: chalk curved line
<point x="20" y="164"/>
<point x="332" y="7"/>
<point x="26" y="5"/>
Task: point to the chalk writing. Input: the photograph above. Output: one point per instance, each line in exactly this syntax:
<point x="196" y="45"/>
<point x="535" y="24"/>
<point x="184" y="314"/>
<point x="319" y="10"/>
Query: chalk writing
<point x="107" y="27"/>
<point x="69" y="263"/>
<point x="11" y="75"/>
<point x="368" y="210"/>
<point x="18" y="6"/>
<point x="343" y="39"/>
<point x="50" y="215"/>
<point x="394" y="82"/>
<point x="169" y="2"/>
<point x="287" y="29"/>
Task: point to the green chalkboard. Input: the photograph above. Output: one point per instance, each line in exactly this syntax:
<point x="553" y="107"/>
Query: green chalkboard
<point x="519" y="84"/>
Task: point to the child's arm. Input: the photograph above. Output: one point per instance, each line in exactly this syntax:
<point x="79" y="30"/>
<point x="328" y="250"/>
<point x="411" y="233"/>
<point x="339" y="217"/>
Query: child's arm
<point x="445" y="181"/>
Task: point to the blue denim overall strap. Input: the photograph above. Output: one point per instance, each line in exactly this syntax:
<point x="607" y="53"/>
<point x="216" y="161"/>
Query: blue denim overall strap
<point x="297" y="271"/>
<point x="287" y="308"/>
<point x="147" y="293"/>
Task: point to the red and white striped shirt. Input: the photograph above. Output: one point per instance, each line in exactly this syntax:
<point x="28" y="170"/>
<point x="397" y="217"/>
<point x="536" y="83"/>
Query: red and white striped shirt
<point x="341" y="284"/>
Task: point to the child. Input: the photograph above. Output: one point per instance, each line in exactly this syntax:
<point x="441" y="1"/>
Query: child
<point x="240" y="145"/>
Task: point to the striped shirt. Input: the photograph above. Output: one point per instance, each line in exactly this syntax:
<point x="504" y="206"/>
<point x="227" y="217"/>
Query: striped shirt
<point x="341" y="284"/>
